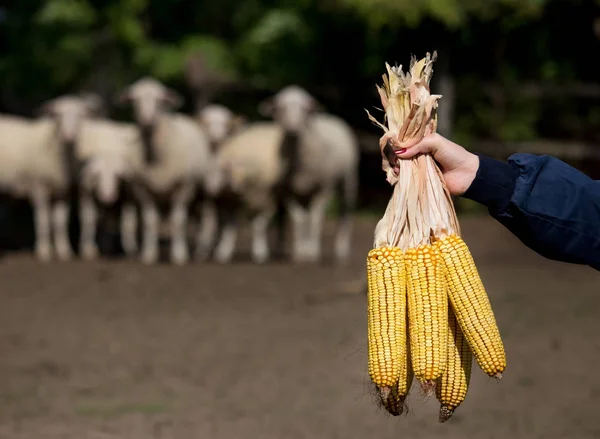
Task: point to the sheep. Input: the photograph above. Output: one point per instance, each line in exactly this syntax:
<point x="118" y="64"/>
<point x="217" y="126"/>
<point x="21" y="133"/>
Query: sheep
<point x="113" y="151"/>
<point x="322" y="158"/>
<point x="246" y="178"/>
<point x="110" y="152"/>
<point x="219" y="122"/>
<point x="176" y="158"/>
<point x="38" y="162"/>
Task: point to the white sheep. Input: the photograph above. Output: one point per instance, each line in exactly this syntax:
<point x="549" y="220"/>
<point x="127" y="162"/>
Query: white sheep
<point x="246" y="180"/>
<point x="110" y="153"/>
<point x="321" y="157"/>
<point x="176" y="158"/>
<point x="38" y="162"/>
<point x="219" y="123"/>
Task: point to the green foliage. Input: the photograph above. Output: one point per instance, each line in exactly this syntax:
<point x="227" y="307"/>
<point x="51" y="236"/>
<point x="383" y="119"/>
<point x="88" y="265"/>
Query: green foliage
<point x="49" y="47"/>
<point x="72" y="13"/>
<point x="165" y="61"/>
<point x="451" y="13"/>
<point x="520" y="122"/>
<point x="335" y="48"/>
<point x="273" y="51"/>
<point x="124" y="22"/>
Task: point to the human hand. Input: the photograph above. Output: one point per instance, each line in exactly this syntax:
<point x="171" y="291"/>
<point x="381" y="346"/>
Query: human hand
<point x="458" y="165"/>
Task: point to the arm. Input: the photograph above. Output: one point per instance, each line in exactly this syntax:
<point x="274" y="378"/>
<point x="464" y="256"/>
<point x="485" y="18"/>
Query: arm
<point x="550" y="206"/>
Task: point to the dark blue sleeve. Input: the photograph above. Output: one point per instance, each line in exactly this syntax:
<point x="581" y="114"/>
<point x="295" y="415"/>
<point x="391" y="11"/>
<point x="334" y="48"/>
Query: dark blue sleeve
<point x="553" y="208"/>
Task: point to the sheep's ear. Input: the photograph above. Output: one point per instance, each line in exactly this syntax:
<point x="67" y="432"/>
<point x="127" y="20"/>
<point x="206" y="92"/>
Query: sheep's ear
<point x="316" y="106"/>
<point x="46" y="108"/>
<point x="123" y="97"/>
<point x="199" y="120"/>
<point x="238" y="121"/>
<point x="266" y="107"/>
<point x="199" y="117"/>
<point x="172" y="98"/>
<point x="94" y="103"/>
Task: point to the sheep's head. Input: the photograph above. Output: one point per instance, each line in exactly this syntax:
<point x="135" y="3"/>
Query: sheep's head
<point x="102" y="175"/>
<point x="219" y="122"/>
<point x="69" y="111"/>
<point x="291" y="107"/>
<point x="149" y="97"/>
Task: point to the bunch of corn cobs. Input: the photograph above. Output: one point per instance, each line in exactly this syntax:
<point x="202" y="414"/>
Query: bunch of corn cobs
<point x="428" y="311"/>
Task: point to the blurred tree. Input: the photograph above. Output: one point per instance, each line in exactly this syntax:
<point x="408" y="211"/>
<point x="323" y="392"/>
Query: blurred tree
<point x="334" y="48"/>
<point x="504" y="65"/>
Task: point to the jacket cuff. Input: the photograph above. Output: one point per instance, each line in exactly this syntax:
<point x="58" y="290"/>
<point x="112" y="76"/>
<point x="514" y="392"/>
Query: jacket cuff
<point x="493" y="185"/>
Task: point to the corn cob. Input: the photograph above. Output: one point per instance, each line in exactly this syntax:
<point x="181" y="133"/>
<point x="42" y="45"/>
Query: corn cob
<point x="427" y="314"/>
<point x="393" y="400"/>
<point x="386" y="315"/>
<point x="451" y="388"/>
<point x="472" y="306"/>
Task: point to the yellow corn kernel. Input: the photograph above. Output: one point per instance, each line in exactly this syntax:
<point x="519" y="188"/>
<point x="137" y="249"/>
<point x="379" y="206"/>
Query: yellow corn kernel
<point x="406" y="370"/>
<point x="451" y="388"/>
<point x="427" y="314"/>
<point x="386" y="314"/>
<point x="472" y="306"/>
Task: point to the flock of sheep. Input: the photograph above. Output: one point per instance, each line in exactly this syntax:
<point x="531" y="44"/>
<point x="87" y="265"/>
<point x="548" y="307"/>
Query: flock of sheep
<point x="215" y="166"/>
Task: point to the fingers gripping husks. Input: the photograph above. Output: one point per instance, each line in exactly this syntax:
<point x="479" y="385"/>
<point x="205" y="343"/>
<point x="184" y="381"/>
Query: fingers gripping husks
<point x="427" y="314"/>
<point x="472" y="306"/>
<point x="451" y="388"/>
<point x="386" y="315"/>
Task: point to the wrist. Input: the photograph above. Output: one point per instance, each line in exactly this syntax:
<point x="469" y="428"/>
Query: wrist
<point x="470" y="168"/>
<point x="494" y="183"/>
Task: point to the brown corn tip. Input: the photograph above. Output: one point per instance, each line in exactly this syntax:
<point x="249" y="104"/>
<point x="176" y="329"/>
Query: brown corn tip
<point x="452" y="386"/>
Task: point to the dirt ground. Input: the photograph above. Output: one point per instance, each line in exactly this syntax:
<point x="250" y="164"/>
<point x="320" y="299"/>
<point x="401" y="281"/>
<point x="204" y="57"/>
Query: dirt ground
<point x="116" y="350"/>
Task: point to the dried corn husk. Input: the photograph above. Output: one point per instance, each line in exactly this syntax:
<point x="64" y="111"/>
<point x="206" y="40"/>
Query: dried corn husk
<point x="420" y="206"/>
<point x="419" y="213"/>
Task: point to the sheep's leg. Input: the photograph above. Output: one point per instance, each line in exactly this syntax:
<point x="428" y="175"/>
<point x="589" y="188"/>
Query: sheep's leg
<point x="260" y="236"/>
<point x="89" y="218"/>
<point x="179" y="221"/>
<point x="60" y="216"/>
<point x="227" y="238"/>
<point x="280" y="229"/>
<point x="347" y="196"/>
<point x="41" y="207"/>
<point x="150" y="218"/>
<point x="343" y="239"/>
<point x="129" y="226"/>
<point x="316" y="217"/>
<point x="299" y="219"/>
<point x="208" y="230"/>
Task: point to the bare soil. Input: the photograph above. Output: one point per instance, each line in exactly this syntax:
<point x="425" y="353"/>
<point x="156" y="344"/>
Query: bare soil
<point x="113" y="349"/>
